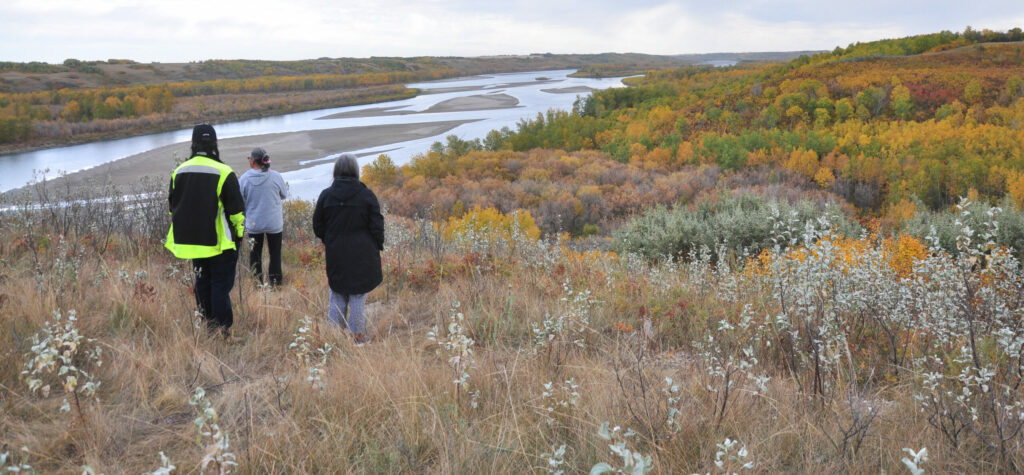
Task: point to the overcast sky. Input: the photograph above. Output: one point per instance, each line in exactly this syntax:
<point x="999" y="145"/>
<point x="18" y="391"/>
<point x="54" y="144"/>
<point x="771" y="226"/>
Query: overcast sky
<point x="190" y="30"/>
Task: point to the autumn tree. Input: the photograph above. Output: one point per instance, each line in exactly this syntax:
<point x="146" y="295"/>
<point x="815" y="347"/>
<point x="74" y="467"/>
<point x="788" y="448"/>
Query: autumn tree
<point x="380" y="172"/>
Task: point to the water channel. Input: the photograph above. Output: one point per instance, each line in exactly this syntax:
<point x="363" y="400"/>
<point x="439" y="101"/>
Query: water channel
<point x="536" y="92"/>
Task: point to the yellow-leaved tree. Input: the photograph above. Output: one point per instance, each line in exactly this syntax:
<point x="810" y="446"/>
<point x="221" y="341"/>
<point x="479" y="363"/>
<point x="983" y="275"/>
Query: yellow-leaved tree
<point x="380" y="172"/>
<point x="490" y="224"/>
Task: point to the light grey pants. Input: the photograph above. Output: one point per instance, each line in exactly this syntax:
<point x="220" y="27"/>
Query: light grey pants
<point x="348" y="311"/>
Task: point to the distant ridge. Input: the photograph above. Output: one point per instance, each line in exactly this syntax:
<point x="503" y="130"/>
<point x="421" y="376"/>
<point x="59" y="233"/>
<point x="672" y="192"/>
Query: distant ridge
<point x="738" y="57"/>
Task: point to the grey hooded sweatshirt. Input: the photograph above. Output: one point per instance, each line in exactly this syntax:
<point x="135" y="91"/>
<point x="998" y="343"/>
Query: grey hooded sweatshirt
<point x="263" y="192"/>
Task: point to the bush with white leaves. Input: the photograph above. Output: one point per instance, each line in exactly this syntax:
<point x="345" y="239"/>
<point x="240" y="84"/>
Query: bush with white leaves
<point x="60" y="355"/>
<point x="314" y="359"/>
<point x="217" y="444"/>
<point x="459" y="348"/>
<point x="631" y="461"/>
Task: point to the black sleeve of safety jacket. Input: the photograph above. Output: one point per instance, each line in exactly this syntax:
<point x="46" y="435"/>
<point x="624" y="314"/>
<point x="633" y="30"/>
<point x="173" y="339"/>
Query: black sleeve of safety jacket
<point x="170" y="195"/>
<point x="231" y="196"/>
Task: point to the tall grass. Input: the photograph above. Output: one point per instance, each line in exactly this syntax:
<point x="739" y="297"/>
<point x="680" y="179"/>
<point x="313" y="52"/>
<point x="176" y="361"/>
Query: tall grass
<point x="679" y="355"/>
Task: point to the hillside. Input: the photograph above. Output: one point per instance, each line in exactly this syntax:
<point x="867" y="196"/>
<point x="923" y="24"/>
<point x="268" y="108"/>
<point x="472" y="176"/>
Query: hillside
<point x="766" y="56"/>
<point x="809" y="267"/>
<point x="485" y="336"/>
<point x="885" y="134"/>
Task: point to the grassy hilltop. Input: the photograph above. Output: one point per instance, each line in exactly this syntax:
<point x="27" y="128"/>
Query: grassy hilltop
<point x="801" y="267"/>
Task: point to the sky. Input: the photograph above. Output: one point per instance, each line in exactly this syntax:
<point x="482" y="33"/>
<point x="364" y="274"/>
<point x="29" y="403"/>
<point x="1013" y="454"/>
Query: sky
<point x="195" y="30"/>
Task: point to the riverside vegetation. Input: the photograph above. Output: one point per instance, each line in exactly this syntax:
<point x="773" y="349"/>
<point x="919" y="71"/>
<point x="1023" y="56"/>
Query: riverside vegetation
<point x="45" y="105"/>
<point x="557" y="310"/>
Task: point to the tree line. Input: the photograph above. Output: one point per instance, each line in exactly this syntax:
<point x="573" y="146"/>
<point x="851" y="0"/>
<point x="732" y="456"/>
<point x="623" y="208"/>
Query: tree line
<point x="24" y="116"/>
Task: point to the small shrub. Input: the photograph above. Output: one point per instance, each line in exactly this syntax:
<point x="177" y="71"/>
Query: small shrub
<point x="491" y="225"/>
<point x="555" y="458"/>
<point x="459" y="346"/>
<point x="314" y="359"/>
<point x="166" y="467"/>
<point x="555" y="399"/>
<point x="19" y="468"/>
<point x="914" y="464"/>
<point x="633" y="462"/>
<point x="731" y="457"/>
<point x="735" y="224"/>
<point x="61" y="355"/>
<point x="298" y="219"/>
<point x="561" y="334"/>
<point x="218" y="453"/>
<point x="946" y="225"/>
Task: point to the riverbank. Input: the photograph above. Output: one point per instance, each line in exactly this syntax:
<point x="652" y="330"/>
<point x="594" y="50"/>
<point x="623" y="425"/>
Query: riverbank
<point x="146" y="128"/>
<point x="302" y="143"/>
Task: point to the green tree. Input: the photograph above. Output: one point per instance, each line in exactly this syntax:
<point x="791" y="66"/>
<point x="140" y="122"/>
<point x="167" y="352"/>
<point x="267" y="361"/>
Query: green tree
<point x="1014" y="87"/>
<point x="873" y="99"/>
<point x="844" y="109"/>
<point x="725" y="151"/>
<point x="822" y="118"/>
<point x="972" y="92"/>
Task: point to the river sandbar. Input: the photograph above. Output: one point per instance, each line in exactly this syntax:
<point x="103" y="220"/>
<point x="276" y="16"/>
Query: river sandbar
<point x="457" y="104"/>
<point x="287" y="150"/>
<point x="570" y="90"/>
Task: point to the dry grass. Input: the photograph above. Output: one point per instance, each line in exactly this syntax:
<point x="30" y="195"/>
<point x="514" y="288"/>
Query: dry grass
<point x="391" y="405"/>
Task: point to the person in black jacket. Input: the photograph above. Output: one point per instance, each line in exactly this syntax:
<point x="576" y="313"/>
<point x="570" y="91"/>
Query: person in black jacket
<point x="347" y="219"/>
<point x="207" y="222"/>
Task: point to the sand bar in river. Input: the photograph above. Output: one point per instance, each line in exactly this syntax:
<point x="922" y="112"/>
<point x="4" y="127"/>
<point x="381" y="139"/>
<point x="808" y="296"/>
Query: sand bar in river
<point x="286" y="151"/>
<point x="457" y="104"/>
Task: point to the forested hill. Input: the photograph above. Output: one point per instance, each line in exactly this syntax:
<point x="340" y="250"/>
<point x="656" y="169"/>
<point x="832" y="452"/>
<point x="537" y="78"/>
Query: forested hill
<point x="883" y="131"/>
<point x="780" y="56"/>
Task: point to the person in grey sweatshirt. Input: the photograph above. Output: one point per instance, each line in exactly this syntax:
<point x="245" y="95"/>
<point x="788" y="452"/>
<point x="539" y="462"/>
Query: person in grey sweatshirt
<point x="263" y="190"/>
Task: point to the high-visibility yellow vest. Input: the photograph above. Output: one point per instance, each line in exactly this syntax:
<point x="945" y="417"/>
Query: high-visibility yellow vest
<point x="207" y="212"/>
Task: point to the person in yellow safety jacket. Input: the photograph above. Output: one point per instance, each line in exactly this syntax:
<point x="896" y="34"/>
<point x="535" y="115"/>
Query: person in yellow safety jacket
<point x="207" y="225"/>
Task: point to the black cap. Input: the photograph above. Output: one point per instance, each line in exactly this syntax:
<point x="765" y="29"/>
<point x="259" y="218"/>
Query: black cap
<point x="203" y="133"/>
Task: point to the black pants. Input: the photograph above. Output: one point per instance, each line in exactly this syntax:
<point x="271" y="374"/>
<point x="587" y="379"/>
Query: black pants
<point x="256" y="257"/>
<point x="215" y="276"/>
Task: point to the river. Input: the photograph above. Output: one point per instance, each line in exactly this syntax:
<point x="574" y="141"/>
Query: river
<point x="536" y="92"/>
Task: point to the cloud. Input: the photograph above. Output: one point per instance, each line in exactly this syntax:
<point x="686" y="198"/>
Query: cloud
<point x="681" y="31"/>
<point x="185" y="30"/>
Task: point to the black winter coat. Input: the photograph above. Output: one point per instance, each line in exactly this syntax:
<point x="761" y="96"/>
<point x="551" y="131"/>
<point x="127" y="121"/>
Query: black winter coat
<point x="347" y="219"/>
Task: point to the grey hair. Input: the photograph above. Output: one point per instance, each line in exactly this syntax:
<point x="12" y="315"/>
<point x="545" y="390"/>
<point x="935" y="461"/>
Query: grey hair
<point x="346" y="165"/>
